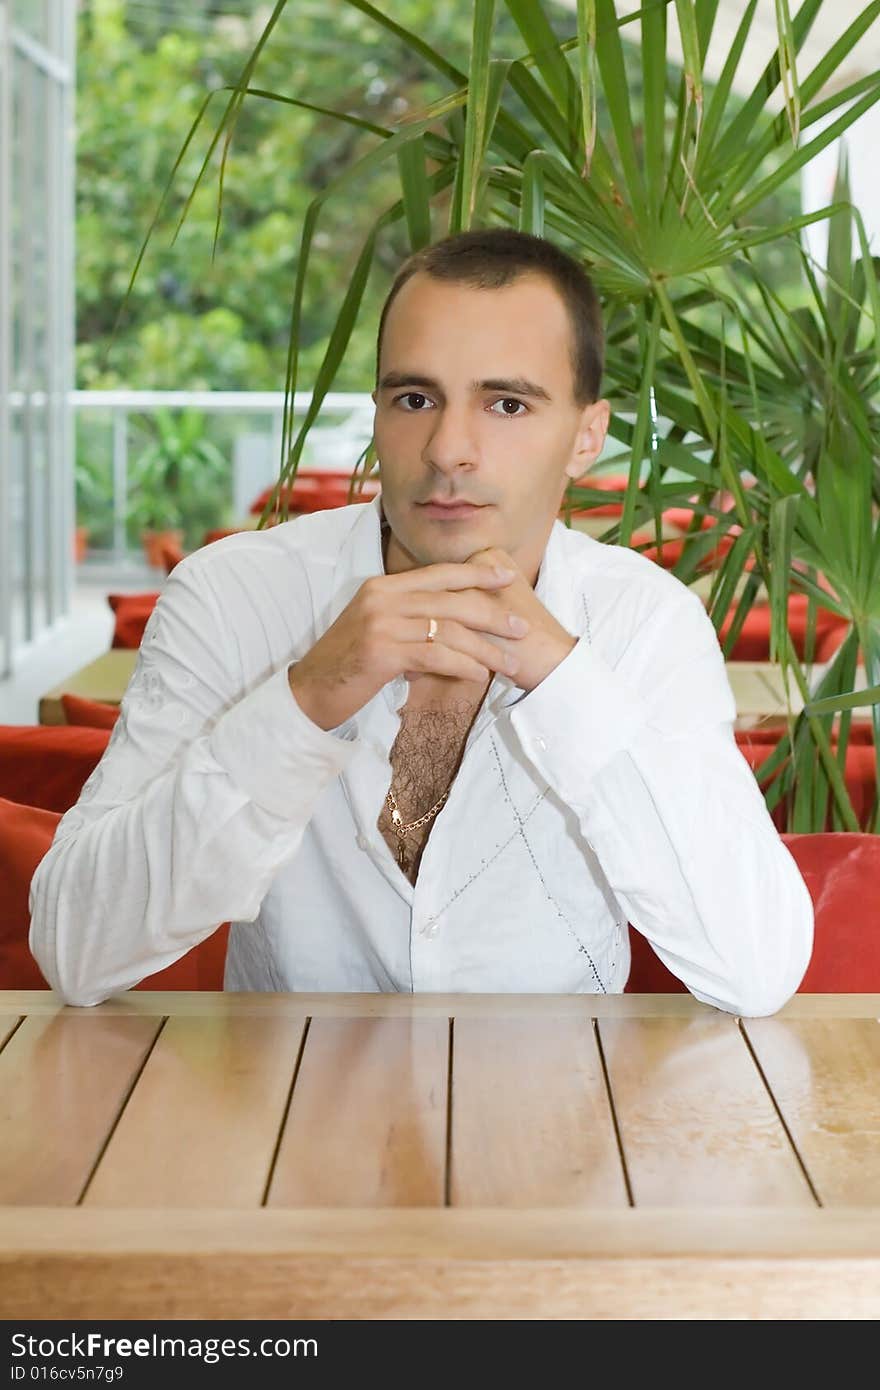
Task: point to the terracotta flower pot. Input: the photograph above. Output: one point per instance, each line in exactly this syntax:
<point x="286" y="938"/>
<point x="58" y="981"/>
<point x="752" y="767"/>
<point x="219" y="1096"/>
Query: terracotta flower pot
<point x="152" y="544"/>
<point x="80" y="543"/>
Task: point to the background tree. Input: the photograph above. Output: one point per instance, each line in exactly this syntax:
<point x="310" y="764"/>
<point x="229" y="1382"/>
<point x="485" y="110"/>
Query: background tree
<point x="143" y="72"/>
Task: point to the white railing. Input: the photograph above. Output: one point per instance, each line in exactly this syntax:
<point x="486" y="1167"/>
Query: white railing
<point x="335" y="442"/>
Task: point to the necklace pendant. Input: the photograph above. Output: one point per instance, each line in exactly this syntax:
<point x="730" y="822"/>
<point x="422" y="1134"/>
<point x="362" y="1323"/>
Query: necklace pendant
<point x="401" y="855"/>
<point x="396" y="818"/>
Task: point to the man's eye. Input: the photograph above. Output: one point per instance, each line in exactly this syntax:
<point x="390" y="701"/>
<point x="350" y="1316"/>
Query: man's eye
<point x="509" y="400"/>
<point x="411" y="396"/>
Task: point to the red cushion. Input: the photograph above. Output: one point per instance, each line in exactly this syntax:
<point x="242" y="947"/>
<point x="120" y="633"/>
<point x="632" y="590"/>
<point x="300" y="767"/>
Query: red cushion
<point x="132" y="614"/>
<point x="45" y="765"/>
<point x="682" y="517"/>
<point x="611" y="482"/>
<point x="218" y="533"/>
<point x="841" y="871"/>
<point x="671" y="551"/>
<point x="92" y="714"/>
<point x="753" y="643"/>
<point x="316" y="490"/>
<point x="859" y="774"/>
<point x="170" y="554"/>
<point x="25" y="836"/>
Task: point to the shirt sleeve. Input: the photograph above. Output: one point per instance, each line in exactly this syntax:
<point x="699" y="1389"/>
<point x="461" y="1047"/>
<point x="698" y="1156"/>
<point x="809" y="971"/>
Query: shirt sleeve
<point x="202" y="794"/>
<point x="643" y="751"/>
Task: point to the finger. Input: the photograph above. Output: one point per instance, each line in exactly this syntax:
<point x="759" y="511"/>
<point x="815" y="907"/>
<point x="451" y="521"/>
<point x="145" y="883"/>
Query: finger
<point x="436" y="659"/>
<point x="481" y="612"/>
<point x="473" y="646"/>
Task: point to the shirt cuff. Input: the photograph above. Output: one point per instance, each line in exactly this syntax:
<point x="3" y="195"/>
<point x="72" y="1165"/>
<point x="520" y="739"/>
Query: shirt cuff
<point x="275" y="753"/>
<point x="580" y="716"/>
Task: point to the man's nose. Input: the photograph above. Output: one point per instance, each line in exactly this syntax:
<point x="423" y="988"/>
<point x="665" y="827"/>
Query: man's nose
<point x="452" y="442"/>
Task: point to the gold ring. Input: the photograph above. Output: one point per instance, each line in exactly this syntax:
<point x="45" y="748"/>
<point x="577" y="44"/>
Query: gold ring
<point x="432" y="629"/>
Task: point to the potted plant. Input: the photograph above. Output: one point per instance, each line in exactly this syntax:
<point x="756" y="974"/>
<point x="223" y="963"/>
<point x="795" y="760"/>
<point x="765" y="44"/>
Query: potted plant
<point x="664" y="188"/>
<point x="178" y="483"/>
<point x="94" y="502"/>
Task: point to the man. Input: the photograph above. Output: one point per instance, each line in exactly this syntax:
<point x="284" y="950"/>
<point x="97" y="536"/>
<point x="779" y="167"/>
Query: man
<point x="437" y="742"/>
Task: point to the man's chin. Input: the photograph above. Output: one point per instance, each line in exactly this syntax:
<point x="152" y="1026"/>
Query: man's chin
<point x="416" y="551"/>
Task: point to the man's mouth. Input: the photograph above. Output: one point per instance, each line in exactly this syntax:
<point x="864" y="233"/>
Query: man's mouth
<point x="453" y="510"/>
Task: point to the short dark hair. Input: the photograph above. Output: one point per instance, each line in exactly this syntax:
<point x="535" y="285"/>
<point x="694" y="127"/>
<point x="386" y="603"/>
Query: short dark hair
<point x="491" y="257"/>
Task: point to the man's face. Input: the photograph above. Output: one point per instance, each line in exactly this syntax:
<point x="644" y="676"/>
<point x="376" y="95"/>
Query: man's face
<point x="474" y="402"/>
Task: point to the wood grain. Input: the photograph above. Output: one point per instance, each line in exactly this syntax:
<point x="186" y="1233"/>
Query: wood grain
<point x="713" y="1263"/>
<point x="825" y="1077"/>
<point x="202" y="1126"/>
<point x="195" y="1003"/>
<point x="367" y="1122"/>
<point x="696" y="1123"/>
<point x="531" y="1121"/>
<point x="63" y="1082"/>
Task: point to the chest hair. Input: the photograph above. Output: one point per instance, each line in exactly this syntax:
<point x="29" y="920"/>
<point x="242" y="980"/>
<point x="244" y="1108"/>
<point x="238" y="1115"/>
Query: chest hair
<point x="425" y="757"/>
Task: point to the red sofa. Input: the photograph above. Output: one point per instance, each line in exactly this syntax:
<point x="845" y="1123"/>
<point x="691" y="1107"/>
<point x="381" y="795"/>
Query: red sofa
<point x="841" y="871"/>
<point x="42" y="772"/>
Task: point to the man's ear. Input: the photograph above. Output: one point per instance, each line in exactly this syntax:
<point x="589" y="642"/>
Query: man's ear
<point x="373" y="398"/>
<point x="590" y="440"/>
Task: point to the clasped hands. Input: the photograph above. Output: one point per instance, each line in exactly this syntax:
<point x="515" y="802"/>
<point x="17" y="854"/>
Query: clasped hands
<point x="382" y="632"/>
<point x="546" y="642"/>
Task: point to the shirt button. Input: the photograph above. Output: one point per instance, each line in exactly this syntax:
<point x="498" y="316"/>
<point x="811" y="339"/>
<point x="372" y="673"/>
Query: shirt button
<point x="541" y="742"/>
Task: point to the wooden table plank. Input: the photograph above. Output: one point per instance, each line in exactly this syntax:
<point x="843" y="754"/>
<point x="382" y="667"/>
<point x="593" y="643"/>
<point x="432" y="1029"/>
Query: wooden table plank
<point x="696" y="1123"/>
<point x="443" y="1263"/>
<point x="531" y="1121"/>
<point x="825" y="1078"/>
<point x="367" y="1121"/>
<point x="202" y="1126"/>
<point x="105" y="679"/>
<point x="695" y="1113"/>
<point x="8" y="1025"/>
<point x="63" y="1082"/>
<point x="201" y="1003"/>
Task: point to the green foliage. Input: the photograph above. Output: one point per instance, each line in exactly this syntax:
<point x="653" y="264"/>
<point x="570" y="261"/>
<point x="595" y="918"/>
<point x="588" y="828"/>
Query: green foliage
<point x="93" y="481"/>
<point x="722" y="384"/>
<point x="190" y="324"/>
<point x="179" y="480"/>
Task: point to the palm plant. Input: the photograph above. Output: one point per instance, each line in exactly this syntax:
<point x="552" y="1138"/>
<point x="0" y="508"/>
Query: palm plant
<point x="180" y="480"/>
<point x="667" y="219"/>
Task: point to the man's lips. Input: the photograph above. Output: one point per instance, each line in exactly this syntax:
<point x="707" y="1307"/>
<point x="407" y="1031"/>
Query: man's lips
<point x="456" y="505"/>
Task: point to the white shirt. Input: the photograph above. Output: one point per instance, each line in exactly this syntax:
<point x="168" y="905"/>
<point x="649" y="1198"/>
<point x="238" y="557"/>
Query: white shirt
<point x="612" y="791"/>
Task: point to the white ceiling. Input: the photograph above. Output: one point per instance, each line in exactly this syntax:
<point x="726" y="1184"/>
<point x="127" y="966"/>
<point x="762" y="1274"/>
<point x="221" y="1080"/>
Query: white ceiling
<point x="833" y="19"/>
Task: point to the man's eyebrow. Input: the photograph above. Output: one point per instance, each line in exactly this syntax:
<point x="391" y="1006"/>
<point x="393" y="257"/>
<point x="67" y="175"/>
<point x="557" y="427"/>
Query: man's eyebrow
<point x="517" y="385"/>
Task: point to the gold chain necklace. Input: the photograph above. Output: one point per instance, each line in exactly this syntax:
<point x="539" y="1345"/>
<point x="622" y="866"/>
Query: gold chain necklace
<point x="401" y="830"/>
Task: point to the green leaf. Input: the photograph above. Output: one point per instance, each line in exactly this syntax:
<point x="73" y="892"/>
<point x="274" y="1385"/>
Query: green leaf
<point x="782" y="521"/>
<point x="653" y="52"/>
<point x="788" y="68"/>
<point x="531" y="213"/>
<point x="616" y="90"/>
<point x="476" y="120"/>
<point x="693" y="76"/>
<point x="416" y="194"/>
<point x="587" y="74"/>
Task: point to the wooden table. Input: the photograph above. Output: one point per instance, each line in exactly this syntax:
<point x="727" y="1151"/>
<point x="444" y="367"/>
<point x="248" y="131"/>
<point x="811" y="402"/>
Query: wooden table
<point x="491" y="1156"/>
<point x="104" y="679"/>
